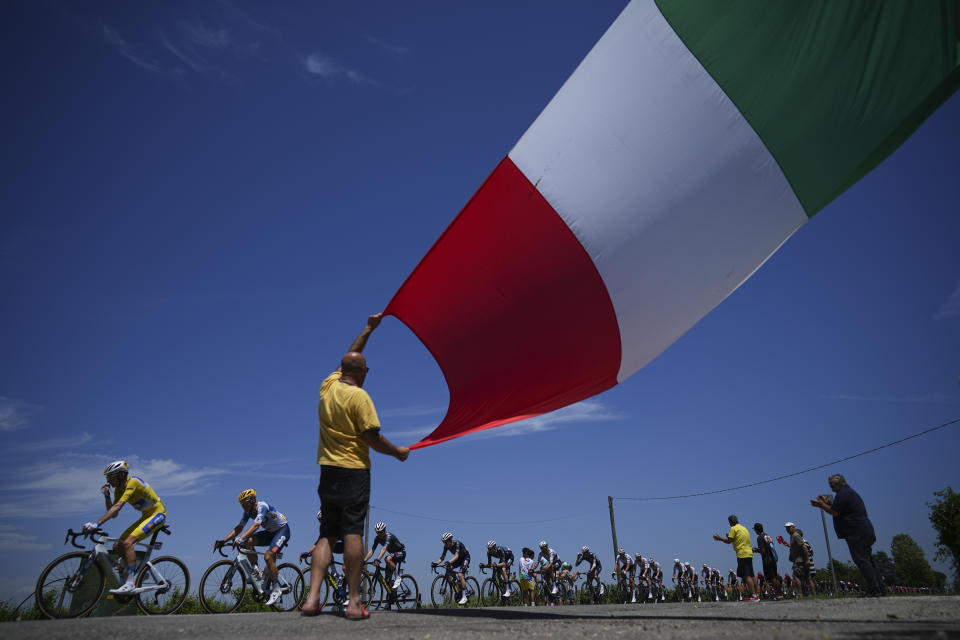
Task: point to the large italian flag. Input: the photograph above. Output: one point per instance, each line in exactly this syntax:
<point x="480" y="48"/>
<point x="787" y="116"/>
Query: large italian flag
<point x="689" y="144"/>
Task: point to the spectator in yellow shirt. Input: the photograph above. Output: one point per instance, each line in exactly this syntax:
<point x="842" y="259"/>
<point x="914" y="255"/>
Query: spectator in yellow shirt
<point x="739" y="537"/>
<point x="349" y="427"/>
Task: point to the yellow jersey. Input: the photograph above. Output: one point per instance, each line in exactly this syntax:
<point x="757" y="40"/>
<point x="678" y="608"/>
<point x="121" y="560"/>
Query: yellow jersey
<point x="741" y="541"/>
<point x="345" y="412"/>
<point x="139" y="495"/>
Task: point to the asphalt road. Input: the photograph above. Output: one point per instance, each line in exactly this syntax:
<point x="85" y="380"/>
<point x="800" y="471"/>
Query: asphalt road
<point x="900" y="617"/>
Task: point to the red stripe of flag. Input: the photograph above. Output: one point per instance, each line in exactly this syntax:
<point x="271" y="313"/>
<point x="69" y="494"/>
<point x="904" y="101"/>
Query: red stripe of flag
<point x="512" y="309"/>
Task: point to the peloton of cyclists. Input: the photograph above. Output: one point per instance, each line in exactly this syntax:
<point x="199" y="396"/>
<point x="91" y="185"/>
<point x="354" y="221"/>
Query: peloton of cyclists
<point x="392" y="548"/>
<point x="505" y="556"/>
<point x="593" y="573"/>
<point x="460" y="561"/>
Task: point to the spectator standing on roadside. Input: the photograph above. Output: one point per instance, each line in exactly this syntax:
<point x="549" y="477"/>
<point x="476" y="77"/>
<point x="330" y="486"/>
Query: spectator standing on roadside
<point x="349" y="427"/>
<point x="739" y="537"/>
<point x="799" y="558"/>
<point x="811" y="571"/>
<point x="768" y="557"/>
<point x="850" y="522"/>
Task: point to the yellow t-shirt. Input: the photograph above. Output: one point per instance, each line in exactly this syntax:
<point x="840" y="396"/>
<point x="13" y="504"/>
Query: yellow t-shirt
<point x="345" y="411"/>
<point x="139" y="495"/>
<point x="741" y="541"/>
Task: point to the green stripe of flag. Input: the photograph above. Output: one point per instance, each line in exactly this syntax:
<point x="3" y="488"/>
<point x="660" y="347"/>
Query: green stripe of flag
<point x="832" y="87"/>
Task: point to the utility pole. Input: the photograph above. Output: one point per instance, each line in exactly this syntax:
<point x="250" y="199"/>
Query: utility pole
<point x="833" y="573"/>
<point x="613" y="528"/>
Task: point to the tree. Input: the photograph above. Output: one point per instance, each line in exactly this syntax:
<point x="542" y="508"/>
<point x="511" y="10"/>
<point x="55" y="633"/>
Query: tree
<point x="913" y="570"/>
<point x="846" y="572"/>
<point x="886" y="567"/>
<point x="945" y="518"/>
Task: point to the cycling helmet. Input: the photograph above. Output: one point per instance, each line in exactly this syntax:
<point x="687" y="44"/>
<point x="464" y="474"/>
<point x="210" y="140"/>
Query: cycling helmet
<point x="706" y="565"/>
<point x="246" y="494"/>
<point x="543" y="543"/>
<point x="686" y="564"/>
<point x="650" y="559"/>
<point x="114" y="468"/>
<point x="620" y="551"/>
<point x="676" y="561"/>
<point x="565" y="565"/>
<point x="585" y="549"/>
<point x="381" y="526"/>
<point x="491" y="544"/>
<point x="319" y="513"/>
<point x="446" y="536"/>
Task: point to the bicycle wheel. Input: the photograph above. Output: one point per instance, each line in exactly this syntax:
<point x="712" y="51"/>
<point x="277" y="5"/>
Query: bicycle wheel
<point x="222" y="587"/>
<point x="490" y="593"/>
<point x="473" y="593"/>
<point x="366" y="590"/>
<point x="515" y="594"/>
<point x="441" y="592"/>
<point x="171" y="577"/>
<point x="408" y="594"/>
<point x="289" y="577"/>
<point x="539" y="594"/>
<point x="379" y="593"/>
<point x="66" y="589"/>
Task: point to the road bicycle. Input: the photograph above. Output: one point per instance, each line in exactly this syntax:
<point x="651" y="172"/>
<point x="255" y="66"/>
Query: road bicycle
<point x="493" y="588"/>
<point x="589" y="593"/>
<point x="683" y="591"/>
<point x="225" y="582"/>
<point x="384" y="596"/>
<point x="623" y="590"/>
<point x="71" y="585"/>
<point x="334" y="588"/>
<point x="445" y="589"/>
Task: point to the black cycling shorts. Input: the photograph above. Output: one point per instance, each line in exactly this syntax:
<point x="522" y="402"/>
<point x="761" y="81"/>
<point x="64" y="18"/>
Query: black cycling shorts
<point x="344" y="500"/>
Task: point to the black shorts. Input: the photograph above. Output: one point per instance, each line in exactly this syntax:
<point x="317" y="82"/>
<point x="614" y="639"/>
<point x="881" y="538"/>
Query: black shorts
<point x="770" y="570"/>
<point x="344" y="500"/>
<point x="744" y="568"/>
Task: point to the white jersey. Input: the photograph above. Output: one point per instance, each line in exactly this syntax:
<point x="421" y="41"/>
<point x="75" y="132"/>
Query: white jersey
<point x="266" y="516"/>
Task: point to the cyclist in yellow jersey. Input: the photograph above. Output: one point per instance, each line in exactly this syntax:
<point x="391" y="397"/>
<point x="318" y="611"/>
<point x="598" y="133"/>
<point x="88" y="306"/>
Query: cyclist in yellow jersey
<point x="138" y="494"/>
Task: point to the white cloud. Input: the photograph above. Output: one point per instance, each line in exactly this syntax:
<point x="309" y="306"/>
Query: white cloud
<point x="121" y="46"/>
<point x="55" y="443"/>
<point x="331" y="70"/>
<point x="16" y="415"/>
<point x="389" y="47"/>
<point x="582" y="412"/>
<point x="12" y="537"/>
<point x="950" y="308"/>
<point x="929" y="398"/>
<point x="69" y="483"/>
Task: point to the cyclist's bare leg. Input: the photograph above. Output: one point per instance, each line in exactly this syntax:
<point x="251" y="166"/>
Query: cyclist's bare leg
<point x="463" y="580"/>
<point x="248" y="545"/>
<point x="271" y="559"/>
<point x="391" y="566"/>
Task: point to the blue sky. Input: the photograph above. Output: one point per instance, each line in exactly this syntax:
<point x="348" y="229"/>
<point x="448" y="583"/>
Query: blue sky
<point x="202" y="203"/>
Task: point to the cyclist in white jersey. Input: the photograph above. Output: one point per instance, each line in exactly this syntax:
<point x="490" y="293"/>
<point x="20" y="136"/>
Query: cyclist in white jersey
<point x="275" y="534"/>
<point x="643" y="568"/>
<point x="552" y="565"/>
<point x="624" y="565"/>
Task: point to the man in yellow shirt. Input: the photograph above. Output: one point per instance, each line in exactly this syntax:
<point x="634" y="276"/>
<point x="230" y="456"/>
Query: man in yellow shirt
<point x="739" y="537"/>
<point x="349" y="427"/>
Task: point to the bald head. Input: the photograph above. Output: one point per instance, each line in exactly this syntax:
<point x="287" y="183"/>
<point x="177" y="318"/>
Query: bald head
<point x="353" y="362"/>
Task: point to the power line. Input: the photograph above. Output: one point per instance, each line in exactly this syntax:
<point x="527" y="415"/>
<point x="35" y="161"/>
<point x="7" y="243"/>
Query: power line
<point x="493" y="522"/>
<point x="797" y="473"/>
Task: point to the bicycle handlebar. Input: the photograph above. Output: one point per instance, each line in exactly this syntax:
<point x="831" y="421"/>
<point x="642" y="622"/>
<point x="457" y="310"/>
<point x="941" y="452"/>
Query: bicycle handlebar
<point x="73" y="535"/>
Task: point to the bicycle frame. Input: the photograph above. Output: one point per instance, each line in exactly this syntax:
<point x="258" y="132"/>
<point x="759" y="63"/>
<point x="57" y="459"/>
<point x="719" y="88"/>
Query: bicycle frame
<point x="100" y="550"/>
<point x="246" y="569"/>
